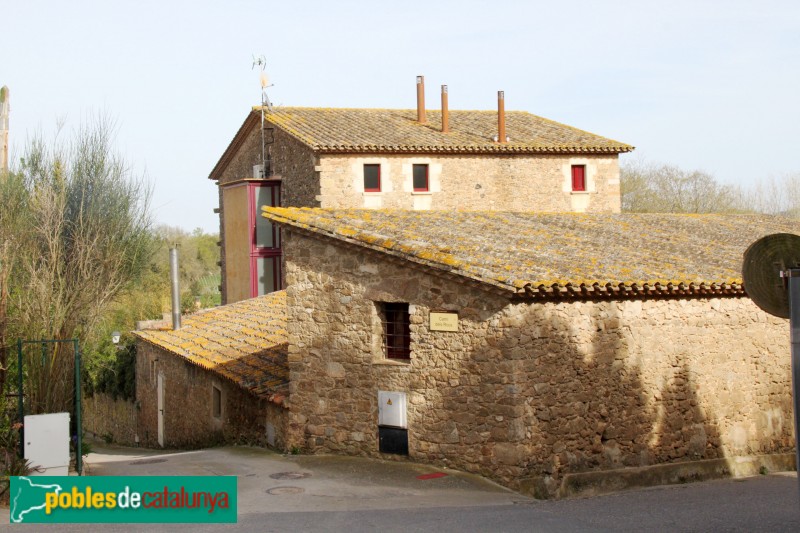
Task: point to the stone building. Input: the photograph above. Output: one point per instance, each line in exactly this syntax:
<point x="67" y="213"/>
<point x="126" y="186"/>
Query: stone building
<point x="221" y="377"/>
<point x="549" y="352"/>
<point x="395" y="158"/>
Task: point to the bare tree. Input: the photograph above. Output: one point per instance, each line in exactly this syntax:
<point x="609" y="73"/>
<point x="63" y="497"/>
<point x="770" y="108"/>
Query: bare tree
<point x="13" y="207"/>
<point x="775" y="196"/>
<point x="657" y="188"/>
<point x="88" y="240"/>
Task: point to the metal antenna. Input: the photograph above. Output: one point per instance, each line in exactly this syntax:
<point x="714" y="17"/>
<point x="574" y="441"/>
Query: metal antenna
<point x="266" y="105"/>
<point x="261" y="63"/>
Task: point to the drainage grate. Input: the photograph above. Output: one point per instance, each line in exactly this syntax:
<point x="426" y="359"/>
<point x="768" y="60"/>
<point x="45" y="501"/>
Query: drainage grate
<point x="290" y="475"/>
<point x="285" y="490"/>
<point x="148" y="461"/>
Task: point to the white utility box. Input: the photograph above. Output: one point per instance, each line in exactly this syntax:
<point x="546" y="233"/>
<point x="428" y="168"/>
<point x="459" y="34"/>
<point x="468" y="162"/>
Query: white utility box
<point x="47" y="443"/>
<point x="392" y="409"/>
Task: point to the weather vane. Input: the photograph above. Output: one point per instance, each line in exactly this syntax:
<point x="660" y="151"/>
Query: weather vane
<point x="266" y="106"/>
<point x="261" y="63"/>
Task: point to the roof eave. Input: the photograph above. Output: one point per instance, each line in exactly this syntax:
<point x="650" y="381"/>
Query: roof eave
<point x="487" y="149"/>
<point x="629" y="291"/>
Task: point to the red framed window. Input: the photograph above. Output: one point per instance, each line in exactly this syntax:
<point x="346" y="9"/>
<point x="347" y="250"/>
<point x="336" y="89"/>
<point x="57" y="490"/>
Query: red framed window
<point x="421" y="178"/>
<point x="579" y="178"/>
<point x="265" y="239"/>
<point x="396" y="330"/>
<point x="372" y="178"/>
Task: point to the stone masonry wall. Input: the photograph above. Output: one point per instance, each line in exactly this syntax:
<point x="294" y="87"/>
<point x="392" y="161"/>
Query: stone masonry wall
<point x="477" y="182"/>
<point x="105" y="417"/>
<point x="529" y="391"/>
<point x="188" y="416"/>
<point x="293" y="161"/>
<point x="485" y="182"/>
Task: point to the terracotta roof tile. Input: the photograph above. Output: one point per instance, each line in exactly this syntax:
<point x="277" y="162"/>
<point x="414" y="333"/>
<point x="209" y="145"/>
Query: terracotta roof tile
<point x="549" y="254"/>
<point x="244" y="342"/>
<point x="396" y="130"/>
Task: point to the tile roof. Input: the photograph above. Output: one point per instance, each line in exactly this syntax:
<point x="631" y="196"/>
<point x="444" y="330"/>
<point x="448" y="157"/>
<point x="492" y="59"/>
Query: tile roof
<point x="244" y="342"/>
<point x="555" y="255"/>
<point x="397" y="130"/>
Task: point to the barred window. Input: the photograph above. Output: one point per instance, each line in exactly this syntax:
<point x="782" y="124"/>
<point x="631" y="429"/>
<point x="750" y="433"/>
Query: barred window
<point x="396" y="330"/>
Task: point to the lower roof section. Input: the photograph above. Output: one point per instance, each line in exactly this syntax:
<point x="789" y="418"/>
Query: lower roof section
<point x="552" y="255"/>
<point x="244" y="342"/>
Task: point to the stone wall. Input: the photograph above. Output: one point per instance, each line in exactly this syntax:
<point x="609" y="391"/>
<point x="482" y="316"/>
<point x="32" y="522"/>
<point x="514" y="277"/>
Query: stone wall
<point x="485" y="181"/>
<point x="110" y="419"/>
<point x="476" y="182"/>
<point x="529" y="393"/>
<point x="295" y="163"/>
<point x="292" y="161"/>
<point x="189" y="421"/>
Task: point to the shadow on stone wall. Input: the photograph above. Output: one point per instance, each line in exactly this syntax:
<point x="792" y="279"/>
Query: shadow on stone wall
<point x="256" y="376"/>
<point x="565" y="393"/>
<point x="682" y="430"/>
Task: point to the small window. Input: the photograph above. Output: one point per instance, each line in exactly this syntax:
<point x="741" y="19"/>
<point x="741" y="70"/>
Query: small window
<point x="421" y="178"/>
<point x="579" y="178"/>
<point x="216" y="401"/>
<point x="372" y="178"/>
<point x="396" y="331"/>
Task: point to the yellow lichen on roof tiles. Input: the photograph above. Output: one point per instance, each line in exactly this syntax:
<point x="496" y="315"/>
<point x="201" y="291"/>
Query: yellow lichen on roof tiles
<point x="244" y="342"/>
<point x="514" y="250"/>
<point x="396" y="130"/>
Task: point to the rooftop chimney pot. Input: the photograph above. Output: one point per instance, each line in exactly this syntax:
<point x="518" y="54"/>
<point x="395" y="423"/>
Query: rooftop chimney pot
<point x="176" y="298"/>
<point x="421" y="100"/>
<point x="501" y="117"/>
<point x="445" y="111"/>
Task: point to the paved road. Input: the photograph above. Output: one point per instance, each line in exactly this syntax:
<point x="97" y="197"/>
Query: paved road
<point x="301" y="493"/>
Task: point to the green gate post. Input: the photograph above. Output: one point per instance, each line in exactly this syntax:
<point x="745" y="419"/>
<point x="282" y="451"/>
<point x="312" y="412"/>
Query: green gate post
<point x="79" y="429"/>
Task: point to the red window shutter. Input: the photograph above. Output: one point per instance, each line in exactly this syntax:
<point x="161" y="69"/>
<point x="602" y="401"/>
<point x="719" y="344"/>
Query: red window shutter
<point x="578" y="177"/>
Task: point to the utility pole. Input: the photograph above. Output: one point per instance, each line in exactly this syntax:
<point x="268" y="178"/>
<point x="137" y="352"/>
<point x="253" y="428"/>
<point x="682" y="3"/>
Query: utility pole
<point x="5" y="109"/>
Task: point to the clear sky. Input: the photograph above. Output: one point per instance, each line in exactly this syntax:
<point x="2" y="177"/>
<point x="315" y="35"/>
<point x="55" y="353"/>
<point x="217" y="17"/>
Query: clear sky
<point x="711" y="85"/>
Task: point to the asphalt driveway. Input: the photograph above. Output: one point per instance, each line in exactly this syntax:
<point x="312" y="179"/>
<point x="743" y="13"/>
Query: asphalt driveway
<point x="268" y="481"/>
<point x="333" y="494"/>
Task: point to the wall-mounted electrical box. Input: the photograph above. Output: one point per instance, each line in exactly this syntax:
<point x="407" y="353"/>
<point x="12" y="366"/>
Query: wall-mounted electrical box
<point x="392" y="409"/>
<point x="47" y="443"/>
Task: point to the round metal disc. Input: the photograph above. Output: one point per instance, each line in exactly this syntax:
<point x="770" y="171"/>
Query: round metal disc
<point x="764" y="260"/>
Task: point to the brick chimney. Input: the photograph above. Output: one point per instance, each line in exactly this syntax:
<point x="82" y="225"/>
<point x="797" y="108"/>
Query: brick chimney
<point x="421" y="100"/>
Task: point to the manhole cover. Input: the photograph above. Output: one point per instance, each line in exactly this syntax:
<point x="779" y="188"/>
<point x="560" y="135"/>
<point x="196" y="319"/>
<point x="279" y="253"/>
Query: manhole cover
<point x="148" y="461"/>
<point x="290" y="475"/>
<point x="285" y="490"/>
